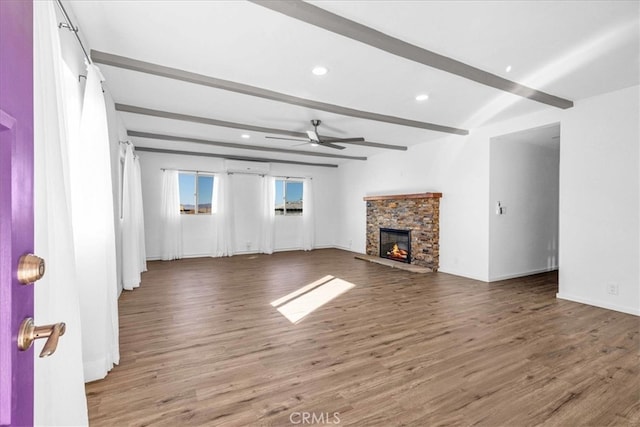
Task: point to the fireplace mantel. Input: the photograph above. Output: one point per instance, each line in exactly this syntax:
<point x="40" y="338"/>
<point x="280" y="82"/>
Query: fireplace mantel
<point x="404" y="196"/>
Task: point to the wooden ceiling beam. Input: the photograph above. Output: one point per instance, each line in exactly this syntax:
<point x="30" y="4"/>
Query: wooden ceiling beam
<point x="162" y="137"/>
<point x="232" y="157"/>
<point x="205" y="120"/>
<point x="200" y="79"/>
<point x="324" y="19"/>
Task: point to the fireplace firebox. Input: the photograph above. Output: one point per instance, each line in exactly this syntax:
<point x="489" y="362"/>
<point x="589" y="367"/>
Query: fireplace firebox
<point x="395" y="244"/>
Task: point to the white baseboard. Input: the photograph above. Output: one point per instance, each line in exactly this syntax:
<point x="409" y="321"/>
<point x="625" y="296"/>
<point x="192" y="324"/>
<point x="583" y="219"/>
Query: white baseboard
<point x="325" y="247"/>
<point x="345" y="248"/>
<point x="601" y="304"/>
<point x="158" y="258"/>
<point x="198" y="256"/>
<point x="465" y="275"/>
<point x="522" y="274"/>
<point x="245" y="253"/>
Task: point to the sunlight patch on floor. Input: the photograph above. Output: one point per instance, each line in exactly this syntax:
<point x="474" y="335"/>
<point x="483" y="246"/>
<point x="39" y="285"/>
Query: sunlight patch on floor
<point x="302" y="302"/>
<point x="301" y="291"/>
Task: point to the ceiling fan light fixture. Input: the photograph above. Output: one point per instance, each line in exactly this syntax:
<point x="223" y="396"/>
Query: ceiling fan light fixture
<point x="314" y="144"/>
<point x="320" y="70"/>
<point x="245" y="136"/>
<point x="422" y="97"/>
<point x="313" y="136"/>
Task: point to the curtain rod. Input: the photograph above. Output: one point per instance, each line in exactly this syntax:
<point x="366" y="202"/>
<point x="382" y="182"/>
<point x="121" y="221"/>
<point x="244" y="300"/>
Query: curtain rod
<point x="292" y="177"/>
<point x="241" y="173"/>
<point x="266" y="174"/>
<point x="187" y="170"/>
<point x="69" y="26"/>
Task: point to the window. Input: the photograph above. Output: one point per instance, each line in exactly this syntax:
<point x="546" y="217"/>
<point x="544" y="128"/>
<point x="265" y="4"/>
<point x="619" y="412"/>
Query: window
<point x="288" y="197"/>
<point x="196" y="193"/>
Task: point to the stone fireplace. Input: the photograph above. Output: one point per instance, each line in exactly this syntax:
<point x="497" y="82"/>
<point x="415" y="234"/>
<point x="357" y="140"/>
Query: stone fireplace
<point x="417" y="214"/>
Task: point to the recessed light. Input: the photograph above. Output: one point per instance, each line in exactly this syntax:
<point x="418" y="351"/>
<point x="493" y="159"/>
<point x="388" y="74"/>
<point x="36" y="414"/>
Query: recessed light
<point x="320" y="70"/>
<point x="422" y="97"/>
<point x="245" y="136"/>
<point x="314" y="144"/>
<point x="508" y="69"/>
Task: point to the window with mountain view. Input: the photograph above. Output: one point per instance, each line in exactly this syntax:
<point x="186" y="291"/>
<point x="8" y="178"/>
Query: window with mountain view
<point x="288" y="197"/>
<point x="196" y="193"/>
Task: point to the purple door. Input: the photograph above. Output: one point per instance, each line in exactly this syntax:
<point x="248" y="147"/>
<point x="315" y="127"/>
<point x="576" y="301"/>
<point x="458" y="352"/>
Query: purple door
<point x="16" y="206"/>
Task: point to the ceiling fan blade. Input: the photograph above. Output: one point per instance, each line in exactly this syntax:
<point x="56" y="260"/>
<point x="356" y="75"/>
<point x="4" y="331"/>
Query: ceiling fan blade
<point x="342" y="139"/>
<point x="377" y="145"/>
<point x="284" y="139"/>
<point x="316" y="139"/>
<point x="330" y="145"/>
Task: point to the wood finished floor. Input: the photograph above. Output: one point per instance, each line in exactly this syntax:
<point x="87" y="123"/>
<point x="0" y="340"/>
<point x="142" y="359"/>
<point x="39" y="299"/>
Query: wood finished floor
<point x="201" y="345"/>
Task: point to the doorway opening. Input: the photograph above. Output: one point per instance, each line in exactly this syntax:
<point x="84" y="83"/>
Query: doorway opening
<point x="524" y="191"/>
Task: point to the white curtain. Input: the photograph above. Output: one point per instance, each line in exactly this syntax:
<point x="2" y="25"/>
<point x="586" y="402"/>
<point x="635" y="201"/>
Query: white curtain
<point x="142" y="255"/>
<point x="224" y="214"/>
<point x="59" y="395"/>
<point x="133" y="252"/>
<point x="267" y="229"/>
<point x="217" y="212"/>
<point x="170" y="213"/>
<point x="94" y="233"/>
<point x="308" y="216"/>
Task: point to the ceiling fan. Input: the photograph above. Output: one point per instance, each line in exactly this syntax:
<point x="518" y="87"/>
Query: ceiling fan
<point x="315" y="139"/>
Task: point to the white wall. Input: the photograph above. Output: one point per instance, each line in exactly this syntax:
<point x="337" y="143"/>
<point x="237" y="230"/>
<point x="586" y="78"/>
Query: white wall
<point x="598" y="166"/>
<point x="457" y="166"/>
<point x="247" y="212"/>
<point x="599" y="197"/>
<point x="199" y="234"/>
<point x="195" y="229"/>
<point x="598" y="156"/>
<point x="524" y="178"/>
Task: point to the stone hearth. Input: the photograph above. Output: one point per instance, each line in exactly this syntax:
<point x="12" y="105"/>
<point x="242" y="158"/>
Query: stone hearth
<point x="419" y="213"/>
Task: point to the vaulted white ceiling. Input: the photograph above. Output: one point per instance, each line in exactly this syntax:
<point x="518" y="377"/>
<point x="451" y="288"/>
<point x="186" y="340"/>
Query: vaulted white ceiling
<point x="572" y="49"/>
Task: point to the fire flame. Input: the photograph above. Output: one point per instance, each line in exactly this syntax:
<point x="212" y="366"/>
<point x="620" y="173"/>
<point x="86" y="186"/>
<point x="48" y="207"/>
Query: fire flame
<point x="396" y="252"/>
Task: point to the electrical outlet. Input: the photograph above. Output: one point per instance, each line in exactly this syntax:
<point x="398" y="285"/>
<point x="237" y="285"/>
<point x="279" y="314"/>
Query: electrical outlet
<point x="612" y="288"/>
<point x="350" y="243"/>
<point x="248" y="245"/>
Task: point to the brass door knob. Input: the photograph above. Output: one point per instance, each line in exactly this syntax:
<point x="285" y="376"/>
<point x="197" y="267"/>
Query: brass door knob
<point x="30" y="269"/>
<point x="29" y="332"/>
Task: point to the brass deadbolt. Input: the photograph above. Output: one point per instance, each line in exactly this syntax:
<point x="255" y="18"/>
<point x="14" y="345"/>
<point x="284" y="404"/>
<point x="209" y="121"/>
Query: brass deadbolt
<point x="30" y="269"/>
<point x="29" y="332"/>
